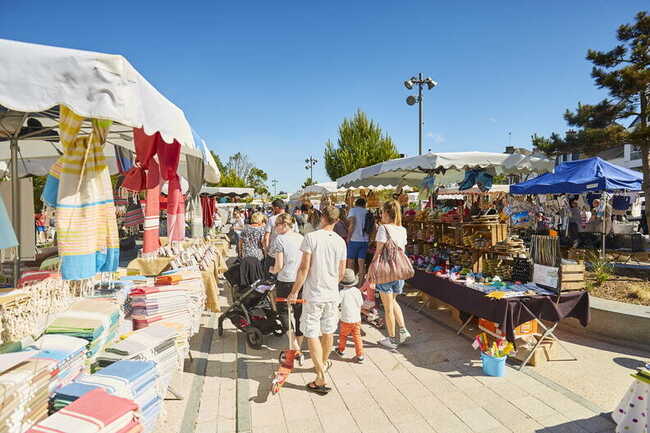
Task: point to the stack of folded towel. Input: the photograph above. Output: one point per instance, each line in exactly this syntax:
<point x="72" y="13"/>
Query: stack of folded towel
<point x="135" y="380"/>
<point x="69" y="355"/>
<point x="153" y="343"/>
<point x="69" y="393"/>
<point x="94" y="320"/>
<point x="95" y="412"/>
<point x="24" y="390"/>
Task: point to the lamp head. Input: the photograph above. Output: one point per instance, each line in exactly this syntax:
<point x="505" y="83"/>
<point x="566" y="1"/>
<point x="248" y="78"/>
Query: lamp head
<point x="408" y="84"/>
<point x="410" y="100"/>
<point x="430" y="83"/>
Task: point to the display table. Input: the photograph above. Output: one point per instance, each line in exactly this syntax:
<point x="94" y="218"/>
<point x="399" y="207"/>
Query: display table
<point x="510" y="312"/>
<point x="631" y="415"/>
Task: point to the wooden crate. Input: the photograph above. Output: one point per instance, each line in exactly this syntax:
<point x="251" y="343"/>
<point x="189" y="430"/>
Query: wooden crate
<point x="571" y="277"/>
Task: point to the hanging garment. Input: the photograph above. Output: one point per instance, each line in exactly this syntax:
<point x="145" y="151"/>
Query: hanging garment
<point x="151" y="235"/>
<point x="26" y="237"/>
<point x="621" y="204"/>
<point x="134" y="215"/>
<point x="207" y="207"/>
<point x="124" y="159"/>
<point x="196" y="215"/>
<point x="85" y="212"/>
<point x="195" y="175"/>
<point x="481" y="178"/>
<point x="169" y="157"/>
<point x="7" y="234"/>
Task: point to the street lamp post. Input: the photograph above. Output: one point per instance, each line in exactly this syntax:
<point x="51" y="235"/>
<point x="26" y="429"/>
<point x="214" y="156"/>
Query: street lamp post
<point x="410" y="100"/>
<point x="275" y="186"/>
<point x="311" y="162"/>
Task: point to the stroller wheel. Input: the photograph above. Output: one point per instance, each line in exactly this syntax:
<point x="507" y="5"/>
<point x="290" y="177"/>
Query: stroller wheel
<point x="254" y="338"/>
<point x="278" y="332"/>
<point x="282" y="357"/>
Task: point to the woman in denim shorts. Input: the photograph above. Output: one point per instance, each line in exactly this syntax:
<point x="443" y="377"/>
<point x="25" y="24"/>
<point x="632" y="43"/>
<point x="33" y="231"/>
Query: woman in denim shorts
<point x="391" y="218"/>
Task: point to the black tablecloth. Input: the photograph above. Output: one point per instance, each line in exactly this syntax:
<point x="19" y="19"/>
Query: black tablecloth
<point x="509" y="313"/>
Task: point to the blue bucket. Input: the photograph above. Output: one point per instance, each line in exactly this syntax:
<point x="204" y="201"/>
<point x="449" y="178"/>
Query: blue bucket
<point x="493" y="366"/>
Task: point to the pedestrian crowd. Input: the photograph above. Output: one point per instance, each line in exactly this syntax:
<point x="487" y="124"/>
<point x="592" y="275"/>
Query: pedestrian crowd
<point x="314" y="255"/>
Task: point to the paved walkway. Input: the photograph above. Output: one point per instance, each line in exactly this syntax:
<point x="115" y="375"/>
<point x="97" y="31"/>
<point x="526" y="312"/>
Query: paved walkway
<point x="433" y="384"/>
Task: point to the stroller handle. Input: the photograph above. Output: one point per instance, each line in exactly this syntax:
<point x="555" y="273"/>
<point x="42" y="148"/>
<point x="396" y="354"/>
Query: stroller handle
<point x="297" y="301"/>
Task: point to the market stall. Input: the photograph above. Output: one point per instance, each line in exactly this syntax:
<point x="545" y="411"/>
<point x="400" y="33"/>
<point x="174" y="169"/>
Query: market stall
<point x="596" y="186"/>
<point x="71" y="332"/>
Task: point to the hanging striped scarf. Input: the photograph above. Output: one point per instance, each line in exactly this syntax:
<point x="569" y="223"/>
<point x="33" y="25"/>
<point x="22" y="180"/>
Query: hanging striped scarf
<point x="86" y="223"/>
<point x="151" y="236"/>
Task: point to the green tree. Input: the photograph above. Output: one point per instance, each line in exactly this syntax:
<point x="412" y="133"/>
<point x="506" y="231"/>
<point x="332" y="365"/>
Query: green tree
<point x="360" y="144"/>
<point x="623" y="117"/>
<point x="240" y="172"/>
<point x="308" y="182"/>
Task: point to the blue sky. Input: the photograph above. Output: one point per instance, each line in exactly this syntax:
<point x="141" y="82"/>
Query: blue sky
<point x="274" y="79"/>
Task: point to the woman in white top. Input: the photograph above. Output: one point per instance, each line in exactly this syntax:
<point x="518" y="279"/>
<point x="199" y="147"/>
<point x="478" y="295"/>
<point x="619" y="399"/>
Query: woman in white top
<point x="391" y="219"/>
<point x="287" y="253"/>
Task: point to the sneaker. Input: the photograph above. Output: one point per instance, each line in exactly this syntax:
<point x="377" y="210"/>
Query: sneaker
<point x="359" y="359"/>
<point x="404" y="335"/>
<point x="338" y="352"/>
<point x="388" y="343"/>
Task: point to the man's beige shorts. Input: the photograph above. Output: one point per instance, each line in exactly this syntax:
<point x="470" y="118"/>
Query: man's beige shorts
<point x="319" y="318"/>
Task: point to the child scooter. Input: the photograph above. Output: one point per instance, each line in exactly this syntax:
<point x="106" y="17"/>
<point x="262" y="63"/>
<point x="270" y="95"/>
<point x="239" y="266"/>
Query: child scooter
<point x="287" y="357"/>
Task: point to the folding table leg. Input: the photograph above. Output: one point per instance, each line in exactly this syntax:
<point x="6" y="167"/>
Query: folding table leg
<point x="548" y="333"/>
<point x="464" y="325"/>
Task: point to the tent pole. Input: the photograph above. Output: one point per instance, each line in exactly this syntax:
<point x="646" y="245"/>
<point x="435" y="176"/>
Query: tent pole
<point x="605" y="199"/>
<point x="15" y="201"/>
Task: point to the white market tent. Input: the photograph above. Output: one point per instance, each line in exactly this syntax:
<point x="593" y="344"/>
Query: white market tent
<point x="229" y="191"/>
<point x="448" y="167"/>
<point x="36" y="79"/>
<point x="331" y="187"/>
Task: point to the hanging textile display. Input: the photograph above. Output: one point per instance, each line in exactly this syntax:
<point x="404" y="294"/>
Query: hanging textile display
<point x="151" y="235"/>
<point x="208" y="206"/>
<point x="145" y="175"/>
<point x="196" y="215"/>
<point x="85" y="212"/>
<point x="195" y="175"/>
<point x="7" y="234"/>
<point x="26" y="237"/>
<point x="169" y="157"/>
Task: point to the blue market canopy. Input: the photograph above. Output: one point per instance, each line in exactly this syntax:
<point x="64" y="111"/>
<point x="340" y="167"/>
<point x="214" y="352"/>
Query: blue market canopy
<point x="574" y="177"/>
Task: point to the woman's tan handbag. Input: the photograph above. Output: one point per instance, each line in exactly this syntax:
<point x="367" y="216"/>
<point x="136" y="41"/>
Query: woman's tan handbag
<point x="391" y="265"/>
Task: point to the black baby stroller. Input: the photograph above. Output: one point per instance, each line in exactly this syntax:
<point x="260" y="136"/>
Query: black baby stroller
<point x="251" y="310"/>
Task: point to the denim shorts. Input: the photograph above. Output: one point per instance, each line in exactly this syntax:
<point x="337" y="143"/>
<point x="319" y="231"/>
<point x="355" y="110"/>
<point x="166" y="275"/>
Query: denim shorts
<point x="394" y="287"/>
<point x="357" y="250"/>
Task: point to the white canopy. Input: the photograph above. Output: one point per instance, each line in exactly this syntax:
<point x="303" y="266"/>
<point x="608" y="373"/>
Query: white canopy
<point x="224" y="190"/>
<point x="411" y="171"/>
<point x="331" y="187"/>
<point x="36" y="79"/>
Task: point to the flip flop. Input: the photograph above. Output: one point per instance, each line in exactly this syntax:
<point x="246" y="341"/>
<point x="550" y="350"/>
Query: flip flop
<point x="320" y="390"/>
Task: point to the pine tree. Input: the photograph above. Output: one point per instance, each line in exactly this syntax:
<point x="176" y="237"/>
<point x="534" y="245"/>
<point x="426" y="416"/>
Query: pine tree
<point x="623" y="117"/>
<point x="360" y="144"/>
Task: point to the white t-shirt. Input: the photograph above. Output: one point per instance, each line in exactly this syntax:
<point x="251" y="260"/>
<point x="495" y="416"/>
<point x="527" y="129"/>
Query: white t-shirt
<point x="270" y="228"/>
<point x="351" y="302"/>
<point x="289" y="245"/>
<point x="397" y="234"/>
<point x="359" y="214"/>
<point x="327" y="250"/>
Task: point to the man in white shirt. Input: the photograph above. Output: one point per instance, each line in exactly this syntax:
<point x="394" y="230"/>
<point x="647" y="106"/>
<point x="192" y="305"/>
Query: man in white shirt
<point x="357" y="239"/>
<point x="321" y="269"/>
<point x="269" y="232"/>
